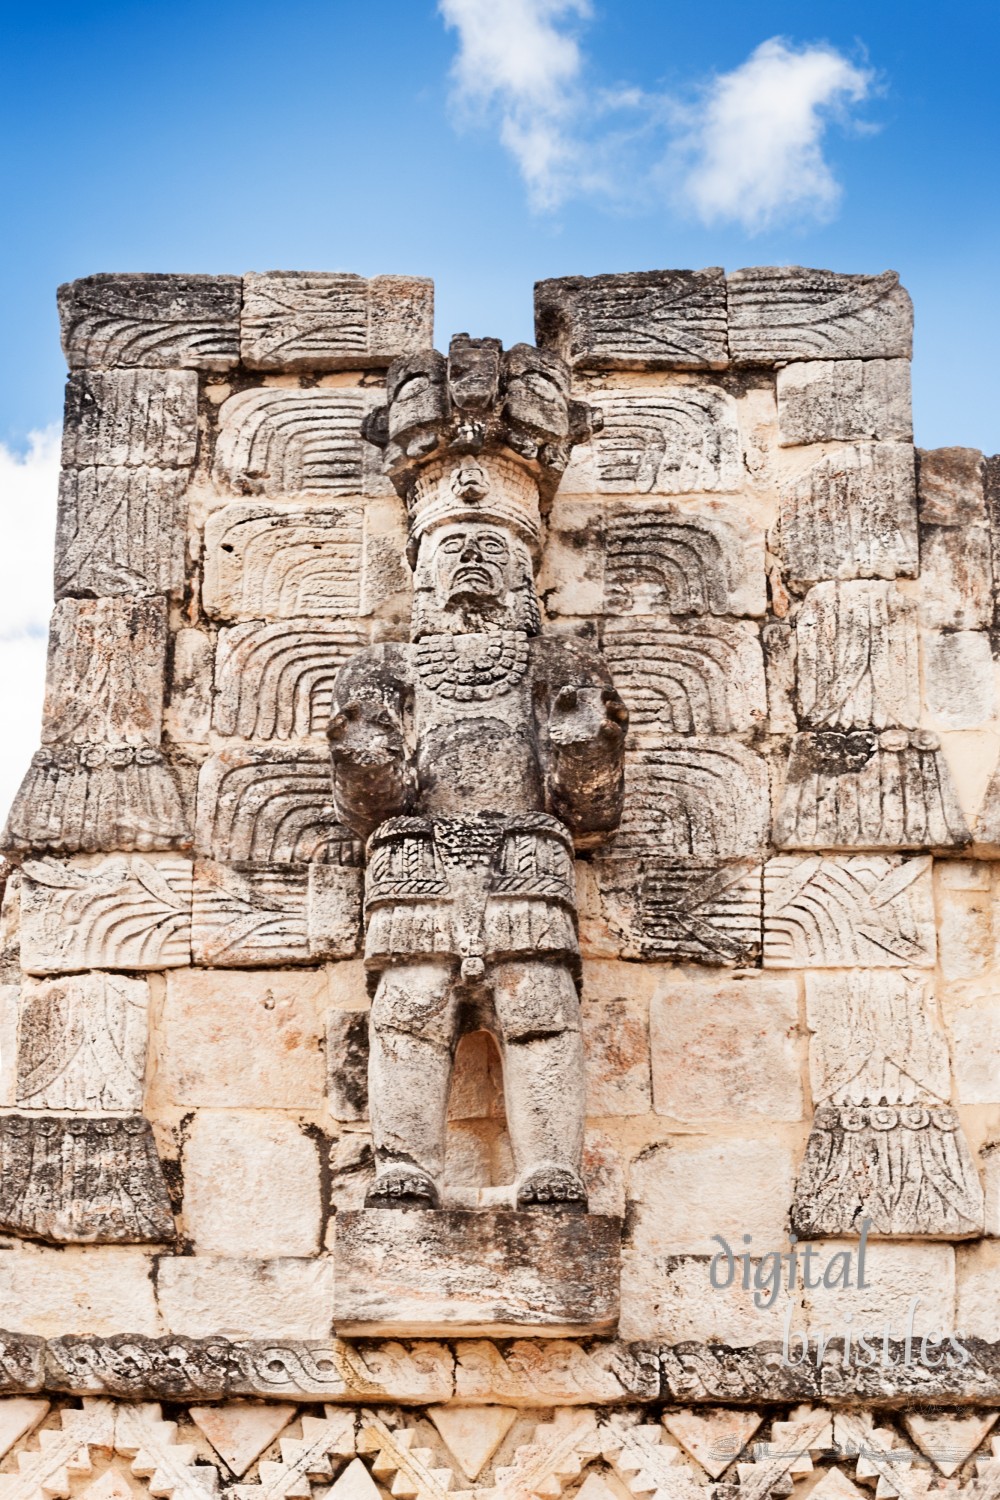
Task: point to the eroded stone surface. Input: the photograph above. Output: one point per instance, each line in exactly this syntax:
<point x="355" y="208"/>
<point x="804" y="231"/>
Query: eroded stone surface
<point x="120" y="530"/>
<point x="689" y="674"/>
<point x="274" y="681"/>
<point x="122" y="912"/>
<point x="779" y="313"/>
<point x="842" y="400"/>
<point x="264" y="561"/>
<point x="324" y="320"/>
<point x="190" y="322"/>
<point x="271" y="1206"/>
<point x="950" y="486"/>
<point x="695" y="795"/>
<point x="830" y="911"/>
<point x="641" y="320"/>
<point x="481" y="1273"/>
<point x="857" y="663"/>
<point x="674" y="440"/>
<point x="82" y="1042"/>
<point x="851" y="514"/>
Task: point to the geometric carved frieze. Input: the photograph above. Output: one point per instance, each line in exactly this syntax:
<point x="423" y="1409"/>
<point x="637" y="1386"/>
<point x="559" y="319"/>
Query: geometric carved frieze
<point x="131" y="418"/>
<point x="269" y="807"/>
<point x="688" y="675"/>
<point x="885" y="1144"/>
<point x="779" y="313"/>
<point x="81" y="1042"/>
<point x="82" y="1180"/>
<point x="187" y="322"/>
<point x="638" y="320"/>
<point x="120" y="531"/>
<point x="851" y="514"/>
<point x="645" y="557"/>
<point x="856" y="657"/>
<point x="836" y="911"/>
<point x="274" y="680"/>
<point x="863" y="789"/>
<point x="694" y="795"/>
<point x="263" y="561"/>
<point x="278" y="442"/>
<point x="843" y="400"/>
<point x="308" y="320"/>
<point x="123" y="912"/>
<point x="680" y="910"/>
<point x="673" y="440"/>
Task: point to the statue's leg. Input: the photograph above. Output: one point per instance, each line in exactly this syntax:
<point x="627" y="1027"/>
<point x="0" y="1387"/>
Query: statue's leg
<point x="412" y="1029"/>
<point x="538" y="1016"/>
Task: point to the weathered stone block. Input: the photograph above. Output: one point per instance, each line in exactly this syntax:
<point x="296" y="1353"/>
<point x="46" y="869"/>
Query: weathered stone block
<point x="842" y="400"/>
<point x="694" y="795"/>
<point x="671" y="440"/>
<point x="851" y="514"/>
<point x="54" y="1291"/>
<point x="688" y="1189"/>
<point x="642" y="558"/>
<point x="672" y="1298"/>
<point x="894" y="1276"/>
<point x="639" y="320"/>
<point x="615" y="1021"/>
<point x="697" y="910"/>
<point x="248" y="918"/>
<point x="269" y="807"/>
<point x="279" y="1299"/>
<point x="82" y="1042"/>
<point x="275" y="680"/>
<point x="959" y="678"/>
<point x="323" y="320"/>
<point x="250" y="1040"/>
<point x="779" y="313"/>
<point x="125" y="912"/>
<point x="956" y="578"/>
<point x="866" y="909"/>
<point x="426" y="1272"/>
<point x="276" y="562"/>
<point x="967" y="914"/>
<point x="726" y="1050"/>
<point x="120" y="531"/>
<point x="976" y="1303"/>
<point x="688" y="675"/>
<point x="334" y="910"/>
<point x="100" y="780"/>
<point x="865" y="790"/>
<point x="951" y="486"/>
<point x="278" y="441"/>
<point x="973" y="1021"/>
<point x="190" y="322"/>
<point x="188" y="714"/>
<point x="70" y="1179"/>
<point x="857" y="658"/>
<point x="131" y="419"/>
<point x="270" y="1206"/>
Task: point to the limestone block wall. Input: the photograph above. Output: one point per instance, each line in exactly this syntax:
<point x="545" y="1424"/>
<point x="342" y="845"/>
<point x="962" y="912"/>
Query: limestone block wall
<point x="791" y="1003"/>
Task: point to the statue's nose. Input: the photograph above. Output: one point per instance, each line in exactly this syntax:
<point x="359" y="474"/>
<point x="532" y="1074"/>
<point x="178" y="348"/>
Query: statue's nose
<point x="471" y="552"/>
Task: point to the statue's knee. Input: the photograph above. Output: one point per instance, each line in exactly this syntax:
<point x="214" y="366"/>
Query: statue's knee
<point x="418" y="1001"/>
<point x="535" y="999"/>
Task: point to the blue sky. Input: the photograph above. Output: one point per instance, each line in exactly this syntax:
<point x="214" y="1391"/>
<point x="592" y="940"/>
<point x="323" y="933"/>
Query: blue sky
<point x="529" y="138"/>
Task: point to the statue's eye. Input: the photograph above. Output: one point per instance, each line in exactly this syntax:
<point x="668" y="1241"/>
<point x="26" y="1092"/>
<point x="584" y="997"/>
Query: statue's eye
<point x="453" y="544"/>
<point x="495" y="545"/>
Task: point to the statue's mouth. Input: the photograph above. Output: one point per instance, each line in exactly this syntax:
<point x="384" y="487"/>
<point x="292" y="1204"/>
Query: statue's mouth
<point x="475" y="575"/>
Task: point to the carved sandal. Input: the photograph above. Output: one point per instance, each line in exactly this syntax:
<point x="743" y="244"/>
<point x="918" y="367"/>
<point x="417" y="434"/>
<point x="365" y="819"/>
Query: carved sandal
<point x="552" y="1187"/>
<point x="402" y="1187"/>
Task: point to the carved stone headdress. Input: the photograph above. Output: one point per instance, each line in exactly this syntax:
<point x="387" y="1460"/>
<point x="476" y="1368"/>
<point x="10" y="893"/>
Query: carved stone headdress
<point x="482" y="434"/>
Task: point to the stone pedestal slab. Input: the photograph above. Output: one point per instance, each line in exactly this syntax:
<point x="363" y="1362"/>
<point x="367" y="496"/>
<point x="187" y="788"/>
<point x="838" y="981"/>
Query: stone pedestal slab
<point x="425" y="1271"/>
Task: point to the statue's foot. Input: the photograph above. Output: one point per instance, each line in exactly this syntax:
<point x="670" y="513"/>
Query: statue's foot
<point x="402" y="1187"/>
<point x="552" y="1186"/>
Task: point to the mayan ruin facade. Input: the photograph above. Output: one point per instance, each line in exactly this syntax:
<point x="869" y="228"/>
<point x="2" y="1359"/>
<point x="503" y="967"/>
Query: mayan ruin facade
<point x="500" y="951"/>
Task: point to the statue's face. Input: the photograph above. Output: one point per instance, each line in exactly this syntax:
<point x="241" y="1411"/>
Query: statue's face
<point x="471" y="561"/>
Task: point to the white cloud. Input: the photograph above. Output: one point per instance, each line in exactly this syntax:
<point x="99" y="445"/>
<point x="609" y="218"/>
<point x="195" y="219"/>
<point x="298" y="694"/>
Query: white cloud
<point x="748" y="150"/>
<point x="757" y="139"/>
<point x="514" y="58"/>
<point x="28" y="485"/>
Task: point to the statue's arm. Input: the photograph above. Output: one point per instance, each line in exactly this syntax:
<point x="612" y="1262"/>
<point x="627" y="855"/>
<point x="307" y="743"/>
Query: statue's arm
<point x="585" y="732"/>
<point x="373" y="776"/>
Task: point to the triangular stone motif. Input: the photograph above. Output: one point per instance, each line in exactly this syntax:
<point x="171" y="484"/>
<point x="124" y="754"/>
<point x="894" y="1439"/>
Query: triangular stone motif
<point x="18" y="1415"/>
<point x="948" y="1441"/>
<point x="836" y="1486"/>
<point x="111" y="1486"/>
<point x="598" y="1486"/>
<point x="714" y="1437"/>
<point x="241" y="1430"/>
<point x="355" y="1483"/>
<point x="472" y="1433"/>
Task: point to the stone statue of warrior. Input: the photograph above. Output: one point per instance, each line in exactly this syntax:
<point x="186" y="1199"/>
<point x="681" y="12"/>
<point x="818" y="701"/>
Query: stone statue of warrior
<point x="473" y="760"/>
